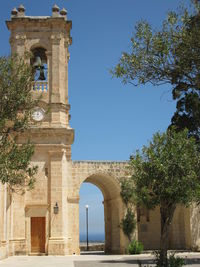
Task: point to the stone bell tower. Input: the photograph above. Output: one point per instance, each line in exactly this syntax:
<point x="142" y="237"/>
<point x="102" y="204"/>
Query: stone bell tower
<point x="40" y="217"/>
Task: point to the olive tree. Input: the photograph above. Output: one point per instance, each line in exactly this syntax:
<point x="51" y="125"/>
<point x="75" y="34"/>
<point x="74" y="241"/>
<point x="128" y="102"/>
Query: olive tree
<point x="16" y="104"/>
<point x="165" y="174"/>
<point x="169" y="55"/>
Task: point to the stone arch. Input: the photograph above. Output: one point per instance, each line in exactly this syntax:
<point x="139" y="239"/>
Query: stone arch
<point x="110" y="189"/>
<point x="104" y="181"/>
<point x="33" y="45"/>
<point x="105" y="175"/>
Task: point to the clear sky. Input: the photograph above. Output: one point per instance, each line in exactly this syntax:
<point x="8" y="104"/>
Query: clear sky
<point x="110" y="120"/>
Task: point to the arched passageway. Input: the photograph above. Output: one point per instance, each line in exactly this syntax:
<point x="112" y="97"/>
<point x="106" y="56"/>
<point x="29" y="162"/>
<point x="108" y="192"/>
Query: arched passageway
<point x="105" y="175"/>
<point x="91" y="218"/>
<point x="112" y="202"/>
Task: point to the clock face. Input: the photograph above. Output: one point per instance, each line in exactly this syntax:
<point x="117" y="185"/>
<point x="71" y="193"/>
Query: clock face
<point x="38" y="114"/>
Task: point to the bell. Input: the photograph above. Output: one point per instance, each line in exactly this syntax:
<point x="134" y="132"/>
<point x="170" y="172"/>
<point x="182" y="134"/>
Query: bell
<point x="39" y="68"/>
<point x="42" y="76"/>
<point x="38" y="62"/>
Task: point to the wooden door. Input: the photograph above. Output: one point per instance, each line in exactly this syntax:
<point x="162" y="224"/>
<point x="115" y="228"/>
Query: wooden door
<point x="38" y="234"/>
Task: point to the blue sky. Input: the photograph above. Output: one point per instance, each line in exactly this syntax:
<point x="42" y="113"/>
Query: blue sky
<point x="110" y="120"/>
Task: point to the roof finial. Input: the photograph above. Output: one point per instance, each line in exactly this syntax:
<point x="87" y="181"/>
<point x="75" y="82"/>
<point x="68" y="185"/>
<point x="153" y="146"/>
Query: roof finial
<point x="14" y="12"/>
<point x="63" y="13"/>
<point x="21" y="10"/>
<point x="55" y="11"/>
<point x="55" y="8"/>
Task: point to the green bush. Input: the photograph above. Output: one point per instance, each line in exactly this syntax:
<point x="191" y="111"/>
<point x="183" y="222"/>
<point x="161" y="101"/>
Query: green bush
<point x="128" y="223"/>
<point x="172" y="260"/>
<point x="135" y="247"/>
<point x="175" y="261"/>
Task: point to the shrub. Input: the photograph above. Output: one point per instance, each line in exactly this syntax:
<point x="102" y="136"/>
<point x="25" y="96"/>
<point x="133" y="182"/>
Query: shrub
<point x="128" y="223"/>
<point x="175" y="261"/>
<point x="135" y="247"/>
<point x="172" y="260"/>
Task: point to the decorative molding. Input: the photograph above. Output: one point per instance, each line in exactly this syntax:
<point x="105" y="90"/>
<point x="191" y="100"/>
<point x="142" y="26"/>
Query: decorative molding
<point x="73" y="199"/>
<point x="68" y="41"/>
<point x="20" y="36"/>
<point x="48" y="53"/>
<point x="41" y="136"/>
<point x="56" y="38"/>
<point x="30" y="206"/>
<point x="17" y="240"/>
<point x="58" y="152"/>
<point x="57" y="239"/>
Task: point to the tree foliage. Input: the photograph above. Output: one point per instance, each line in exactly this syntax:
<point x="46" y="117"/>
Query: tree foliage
<point x="129" y="223"/>
<point x="165" y="173"/>
<point x="16" y="104"/>
<point x="169" y="55"/>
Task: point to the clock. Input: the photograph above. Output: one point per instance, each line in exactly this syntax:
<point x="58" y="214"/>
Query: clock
<point x="38" y="114"/>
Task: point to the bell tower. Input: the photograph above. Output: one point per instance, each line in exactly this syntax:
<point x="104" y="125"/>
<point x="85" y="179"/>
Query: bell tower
<point x="45" y="228"/>
<point x="48" y="40"/>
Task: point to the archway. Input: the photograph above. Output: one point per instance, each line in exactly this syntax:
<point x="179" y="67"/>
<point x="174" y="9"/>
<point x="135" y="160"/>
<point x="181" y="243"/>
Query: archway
<point x="91" y="218"/>
<point x="112" y="209"/>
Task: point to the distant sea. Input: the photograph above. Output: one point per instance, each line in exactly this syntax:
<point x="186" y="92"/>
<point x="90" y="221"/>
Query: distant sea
<point x="98" y="237"/>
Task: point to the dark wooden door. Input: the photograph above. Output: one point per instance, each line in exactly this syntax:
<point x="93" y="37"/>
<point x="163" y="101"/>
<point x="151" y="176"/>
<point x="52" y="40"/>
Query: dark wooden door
<point x="38" y="234"/>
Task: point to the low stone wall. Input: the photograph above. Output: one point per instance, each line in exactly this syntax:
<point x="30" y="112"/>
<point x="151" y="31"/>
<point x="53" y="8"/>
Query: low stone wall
<point x="92" y="247"/>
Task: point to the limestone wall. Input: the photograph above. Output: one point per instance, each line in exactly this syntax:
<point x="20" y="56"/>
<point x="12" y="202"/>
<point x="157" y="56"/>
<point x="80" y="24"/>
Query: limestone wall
<point x="59" y="180"/>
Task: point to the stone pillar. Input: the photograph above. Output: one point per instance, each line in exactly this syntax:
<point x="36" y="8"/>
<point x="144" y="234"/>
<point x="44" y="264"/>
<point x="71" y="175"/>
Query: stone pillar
<point x="194" y="227"/>
<point x="187" y="228"/>
<point x="66" y="59"/>
<point x="107" y="218"/>
<point x="59" y="68"/>
<point x="3" y="253"/>
<point x="114" y="243"/>
<point x="49" y="75"/>
<point x="58" y="234"/>
<point x="1" y="212"/>
<point x="17" y="220"/>
<point x="55" y="68"/>
<point x="18" y="43"/>
<point x="123" y="238"/>
<point x="115" y="222"/>
<point x="73" y="214"/>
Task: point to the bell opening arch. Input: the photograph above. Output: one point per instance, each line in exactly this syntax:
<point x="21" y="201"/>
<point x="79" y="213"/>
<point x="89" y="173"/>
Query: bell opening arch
<point x="39" y="64"/>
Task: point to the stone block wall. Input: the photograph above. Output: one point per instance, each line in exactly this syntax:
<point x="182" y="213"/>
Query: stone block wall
<point x="62" y="237"/>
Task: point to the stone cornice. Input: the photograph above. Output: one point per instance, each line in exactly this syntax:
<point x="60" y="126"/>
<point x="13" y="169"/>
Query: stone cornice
<point x="37" y="205"/>
<point x="53" y="106"/>
<point x="97" y="162"/>
<point x="55" y="136"/>
<point x="31" y="23"/>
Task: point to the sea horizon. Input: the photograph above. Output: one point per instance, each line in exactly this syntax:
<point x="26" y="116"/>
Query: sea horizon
<point x="92" y="237"/>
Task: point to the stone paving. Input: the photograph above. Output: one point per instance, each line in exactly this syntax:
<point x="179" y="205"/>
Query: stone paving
<point x="192" y="260"/>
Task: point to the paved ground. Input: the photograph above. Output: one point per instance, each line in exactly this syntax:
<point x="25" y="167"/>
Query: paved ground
<point x="192" y="260"/>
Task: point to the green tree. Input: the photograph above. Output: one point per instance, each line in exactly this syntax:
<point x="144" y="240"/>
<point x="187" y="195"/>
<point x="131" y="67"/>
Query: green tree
<point x="16" y="104"/>
<point x="169" y="55"/>
<point x="165" y="173"/>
